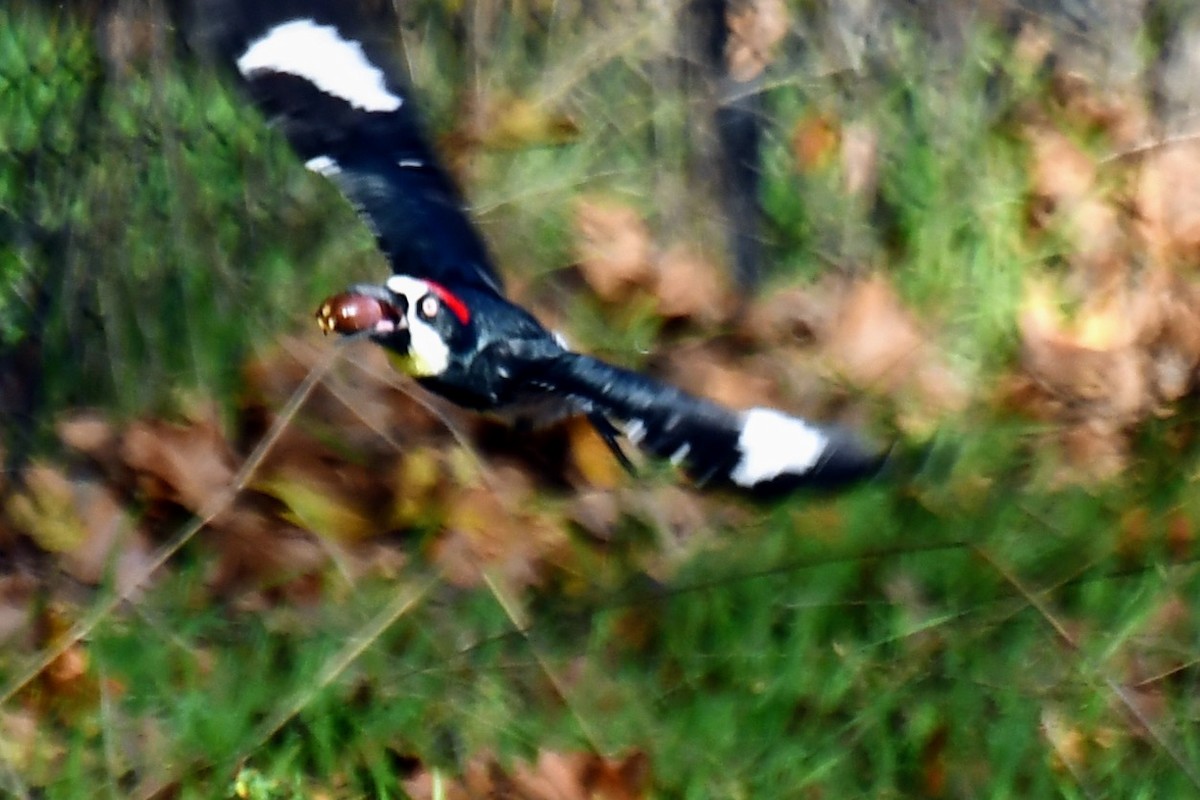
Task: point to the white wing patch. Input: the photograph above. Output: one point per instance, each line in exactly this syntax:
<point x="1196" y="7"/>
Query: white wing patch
<point x="635" y="431"/>
<point x="319" y="54"/>
<point x="323" y="165"/>
<point x="773" y="444"/>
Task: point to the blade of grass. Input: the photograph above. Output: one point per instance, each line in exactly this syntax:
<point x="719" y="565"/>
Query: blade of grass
<point x="219" y="504"/>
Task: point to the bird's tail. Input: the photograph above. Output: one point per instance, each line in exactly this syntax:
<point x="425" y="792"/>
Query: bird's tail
<point x="761" y="451"/>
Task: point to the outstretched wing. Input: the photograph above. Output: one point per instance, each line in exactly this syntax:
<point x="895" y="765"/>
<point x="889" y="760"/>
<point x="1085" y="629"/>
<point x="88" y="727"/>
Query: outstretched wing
<point x="332" y="84"/>
<point x="761" y="450"/>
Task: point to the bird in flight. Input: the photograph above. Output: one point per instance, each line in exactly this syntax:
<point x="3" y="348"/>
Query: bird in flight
<point x="323" y="75"/>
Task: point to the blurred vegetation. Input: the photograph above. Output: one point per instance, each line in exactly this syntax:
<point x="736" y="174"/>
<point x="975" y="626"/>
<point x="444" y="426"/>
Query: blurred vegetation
<point x="153" y="229"/>
<point x="978" y="630"/>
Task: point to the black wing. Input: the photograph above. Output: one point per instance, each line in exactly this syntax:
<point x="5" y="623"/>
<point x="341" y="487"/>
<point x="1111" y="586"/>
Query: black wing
<point x="761" y="450"/>
<point x="322" y="72"/>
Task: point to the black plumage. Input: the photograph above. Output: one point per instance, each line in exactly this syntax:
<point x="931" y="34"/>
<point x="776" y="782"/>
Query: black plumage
<point x="318" y="72"/>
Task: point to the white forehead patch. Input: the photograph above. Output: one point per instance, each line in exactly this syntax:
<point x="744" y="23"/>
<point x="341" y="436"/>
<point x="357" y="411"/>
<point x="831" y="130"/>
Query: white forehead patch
<point x="319" y="54"/>
<point x="773" y="444"/>
<point x="412" y="288"/>
<point x="428" y="352"/>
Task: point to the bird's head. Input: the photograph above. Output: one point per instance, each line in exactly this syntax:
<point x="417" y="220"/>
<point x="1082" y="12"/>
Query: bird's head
<point x="419" y="320"/>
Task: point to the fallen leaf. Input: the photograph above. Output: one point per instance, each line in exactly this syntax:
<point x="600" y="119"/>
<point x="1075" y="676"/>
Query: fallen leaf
<point x="321" y="491"/>
<point x="793" y="315"/>
<point x="597" y="512"/>
<point x="755" y="28"/>
<point x="614" y="248"/>
<point x="90" y="434"/>
<point x="815" y="139"/>
<point x="1167" y="201"/>
<point x="1095" y="450"/>
<point x="1061" y="173"/>
<point x="689" y="286"/>
<point x="1068" y="742"/>
<point x="554" y="776"/>
<point x="1083" y="105"/>
<point x="873" y="341"/>
<point x="491" y="531"/>
<point x="732" y="379"/>
<point x="318" y="505"/>
<point x="66" y="688"/>
<point x="591" y="456"/>
<point x="1068" y="198"/>
<point x="188" y="465"/>
<point x="45" y="510"/>
<point x="1094" y="362"/>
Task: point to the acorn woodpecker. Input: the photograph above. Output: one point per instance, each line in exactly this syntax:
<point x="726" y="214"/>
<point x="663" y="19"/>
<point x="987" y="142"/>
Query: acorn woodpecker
<point x="324" y="76"/>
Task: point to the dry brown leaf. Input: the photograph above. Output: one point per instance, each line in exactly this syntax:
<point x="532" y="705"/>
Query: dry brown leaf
<point x="189" y="465"/>
<point x="254" y="551"/>
<point x="45" y="510"/>
<point x="597" y="512"/>
<point x="755" y="28"/>
<point x="362" y="397"/>
<point x="113" y="542"/>
<point x="614" y="248"/>
<point x="734" y="380"/>
<point x="82" y="521"/>
<point x="1168" y="203"/>
<point x="1095" y="450"/>
<point x="66" y="688"/>
<point x="1064" y="182"/>
<point x="1068" y="742"/>
<point x="1122" y="115"/>
<point x="677" y="514"/>
<point x="321" y="491"/>
<point x="583" y="776"/>
<point x="689" y="286"/>
<point x="554" y="776"/>
<point x="1093" y="361"/>
<point x="591" y="457"/>
<point x="90" y="434"/>
<point x="790" y="316"/>
<point x="874" y="342"/>
<point x="1125" y="353"/>
<point x="491" y="531"/>
<point x="1060" y="173"/>
<point x="317" y="504"/>
<point x="815" y="139"/>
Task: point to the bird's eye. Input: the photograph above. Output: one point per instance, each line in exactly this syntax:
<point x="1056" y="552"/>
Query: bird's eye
<point x="428" y="307"/>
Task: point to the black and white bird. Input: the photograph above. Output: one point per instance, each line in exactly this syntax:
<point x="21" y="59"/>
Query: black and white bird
<point x="319" y="72"/>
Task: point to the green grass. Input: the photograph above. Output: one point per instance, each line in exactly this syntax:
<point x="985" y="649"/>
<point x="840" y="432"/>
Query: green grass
<point x="830" y="648"/>
<point x="825" y="649"/>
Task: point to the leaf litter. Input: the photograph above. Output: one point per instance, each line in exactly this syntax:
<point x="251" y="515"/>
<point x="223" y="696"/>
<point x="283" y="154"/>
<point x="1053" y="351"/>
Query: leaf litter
<point x="372" y="472"/>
